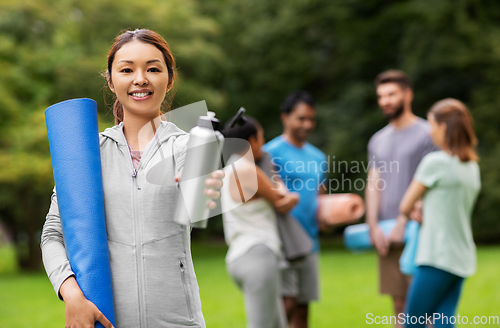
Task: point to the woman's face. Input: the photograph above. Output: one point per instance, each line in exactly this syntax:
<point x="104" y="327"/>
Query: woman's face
<point x="256" y="143"/>
<point x="139" y="78"/>
<point x="438" y="132"/>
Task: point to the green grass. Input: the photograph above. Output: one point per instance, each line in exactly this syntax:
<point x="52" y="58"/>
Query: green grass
<point x="348" y="292"/>
<point x="28" y="300"/>
<point x="8" y="264"/>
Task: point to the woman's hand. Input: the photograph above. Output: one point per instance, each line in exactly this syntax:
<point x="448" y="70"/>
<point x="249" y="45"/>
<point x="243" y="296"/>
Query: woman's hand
<point x="416" y="212"/>
<point x="282" y="189"/>
<point x="285" y="204"/>
<point x="214" y="183"/>
<point x="80" y="312"/>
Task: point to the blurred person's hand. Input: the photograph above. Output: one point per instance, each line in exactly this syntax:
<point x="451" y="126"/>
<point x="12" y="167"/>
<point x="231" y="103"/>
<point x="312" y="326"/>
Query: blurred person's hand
<point x="416" y="212"/>
<point x="285" y="204"/>
<point x="378" y="240"/>
<point x="397" y="234"/>
<point x="280" y="186"/>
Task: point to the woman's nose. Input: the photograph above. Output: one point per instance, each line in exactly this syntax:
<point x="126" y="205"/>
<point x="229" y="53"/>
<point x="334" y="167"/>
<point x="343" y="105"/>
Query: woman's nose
<point x="140" y="79"/>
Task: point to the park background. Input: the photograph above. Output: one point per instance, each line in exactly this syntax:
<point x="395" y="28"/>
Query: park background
<point x="234" y="53"/>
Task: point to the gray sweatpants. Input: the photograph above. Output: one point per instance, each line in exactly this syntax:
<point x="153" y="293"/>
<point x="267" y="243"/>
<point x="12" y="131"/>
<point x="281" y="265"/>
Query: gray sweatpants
<point x="257" y="273"/>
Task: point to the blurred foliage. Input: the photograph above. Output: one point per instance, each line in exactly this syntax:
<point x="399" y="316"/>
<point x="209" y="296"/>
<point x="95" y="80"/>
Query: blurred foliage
<point x="51" y="51"/>
<point x="236" y="53"/>
<point x="334" y="49"/>
<point x="8" y="261"/>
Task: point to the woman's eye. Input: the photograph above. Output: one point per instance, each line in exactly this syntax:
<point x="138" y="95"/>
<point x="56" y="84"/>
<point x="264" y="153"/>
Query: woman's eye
<point x="154" y="69"/>
<point x="126" y="70"/>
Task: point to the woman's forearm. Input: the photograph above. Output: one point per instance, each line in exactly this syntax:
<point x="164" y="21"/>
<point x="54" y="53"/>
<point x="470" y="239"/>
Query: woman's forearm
<point x="70" y="289"/>
<point x="411" y="196"/>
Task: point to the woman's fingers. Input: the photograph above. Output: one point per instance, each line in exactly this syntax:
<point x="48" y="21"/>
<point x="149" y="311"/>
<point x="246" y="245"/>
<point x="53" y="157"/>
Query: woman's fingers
<point x="213" y="183"/>
<point x="215" y="180"/>
<point x="82" y="313"/>
<point x="219" y="174"/>
<point x="103" y="320"/>
<point x="211" y="205"/>
<point x="212" y="193"/>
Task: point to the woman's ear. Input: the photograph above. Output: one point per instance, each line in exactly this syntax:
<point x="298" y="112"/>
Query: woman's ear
<point x="171" y="84"/>
<point x="110" y="83"/>
<point x="442" y="128"/>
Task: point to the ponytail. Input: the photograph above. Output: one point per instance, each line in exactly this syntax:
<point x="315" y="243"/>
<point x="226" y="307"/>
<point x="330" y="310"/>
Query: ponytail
<point x="118" y="112"/>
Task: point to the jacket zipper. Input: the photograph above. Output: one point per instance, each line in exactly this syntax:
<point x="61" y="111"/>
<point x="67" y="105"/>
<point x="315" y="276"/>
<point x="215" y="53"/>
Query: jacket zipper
<point x="183" y="277"/>
<point x="138" y="243"/>
<point x="134" y="177"/>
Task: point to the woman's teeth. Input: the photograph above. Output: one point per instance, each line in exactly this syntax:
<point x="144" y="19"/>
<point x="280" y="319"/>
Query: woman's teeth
<point x="140" y="95"/>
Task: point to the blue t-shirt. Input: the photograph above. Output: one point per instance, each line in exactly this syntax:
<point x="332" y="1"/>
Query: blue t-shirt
<point x="303" y="170"/>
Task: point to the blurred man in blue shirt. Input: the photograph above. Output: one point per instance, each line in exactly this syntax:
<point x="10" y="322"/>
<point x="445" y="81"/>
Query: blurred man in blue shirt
<point x="301" y="167"/>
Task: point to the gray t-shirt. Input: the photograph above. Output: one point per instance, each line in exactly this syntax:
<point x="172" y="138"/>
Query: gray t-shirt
<point x="396" y="154"/>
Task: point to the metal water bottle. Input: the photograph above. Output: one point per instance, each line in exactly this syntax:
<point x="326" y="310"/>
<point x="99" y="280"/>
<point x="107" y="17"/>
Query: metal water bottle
<point x="202" y="158"/>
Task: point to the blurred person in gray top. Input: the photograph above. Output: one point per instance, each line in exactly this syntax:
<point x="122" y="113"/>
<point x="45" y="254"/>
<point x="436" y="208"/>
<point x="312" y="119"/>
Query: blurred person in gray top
<point x="394" y="153"/>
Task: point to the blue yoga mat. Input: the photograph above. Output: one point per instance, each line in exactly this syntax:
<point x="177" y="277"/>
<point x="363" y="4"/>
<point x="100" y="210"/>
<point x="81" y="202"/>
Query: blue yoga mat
<point x="407" y="259"/>
<point x="357" y="237"/>
<point x="73" y="133"/>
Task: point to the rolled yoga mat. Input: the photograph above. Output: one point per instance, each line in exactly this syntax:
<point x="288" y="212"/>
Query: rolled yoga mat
<point x="357" y="237"/>
<point x="407" y="260"/>
<point x="73" y="133"/>
<point x="340" y="209"/>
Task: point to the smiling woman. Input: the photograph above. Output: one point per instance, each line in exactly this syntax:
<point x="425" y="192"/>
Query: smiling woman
<point x="152" y="273"/>
<point x="139" y="62"/>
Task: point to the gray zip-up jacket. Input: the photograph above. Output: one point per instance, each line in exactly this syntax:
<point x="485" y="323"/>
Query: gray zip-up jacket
<point x="154" y="284"/>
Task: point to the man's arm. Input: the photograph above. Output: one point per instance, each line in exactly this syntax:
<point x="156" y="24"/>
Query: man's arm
<point x="372" y="199"/>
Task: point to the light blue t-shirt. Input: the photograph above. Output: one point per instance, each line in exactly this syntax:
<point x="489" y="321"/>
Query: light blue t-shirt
<point x="445" y="240"/>
<point x="303" y="170"/>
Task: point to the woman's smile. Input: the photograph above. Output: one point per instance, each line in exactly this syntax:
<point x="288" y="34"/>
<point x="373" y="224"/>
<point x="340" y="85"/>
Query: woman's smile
<point x="142" y="94"/>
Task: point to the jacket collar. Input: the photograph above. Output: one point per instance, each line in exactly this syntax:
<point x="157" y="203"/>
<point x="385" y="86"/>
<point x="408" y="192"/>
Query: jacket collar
<point x="168" y="130"/>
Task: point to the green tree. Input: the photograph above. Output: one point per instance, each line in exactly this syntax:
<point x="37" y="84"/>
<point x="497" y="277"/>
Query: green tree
<point x="52" y="51"/>
<point x="334" y="49"/>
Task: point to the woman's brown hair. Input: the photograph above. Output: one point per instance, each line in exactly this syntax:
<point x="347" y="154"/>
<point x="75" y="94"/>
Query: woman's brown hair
<point x="460" y="137"/>
<point x="146" y="36"/>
